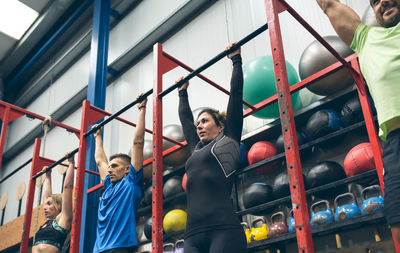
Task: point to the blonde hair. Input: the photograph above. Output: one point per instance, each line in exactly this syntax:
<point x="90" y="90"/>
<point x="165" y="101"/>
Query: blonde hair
<point x="57" y="201"/>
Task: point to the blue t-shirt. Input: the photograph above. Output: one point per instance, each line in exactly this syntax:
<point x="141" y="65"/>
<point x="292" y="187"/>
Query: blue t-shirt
<point x="116" y="227"/>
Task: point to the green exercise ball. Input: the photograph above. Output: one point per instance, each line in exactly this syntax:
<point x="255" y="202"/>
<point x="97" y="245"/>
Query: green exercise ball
<point x="259" y="84"/>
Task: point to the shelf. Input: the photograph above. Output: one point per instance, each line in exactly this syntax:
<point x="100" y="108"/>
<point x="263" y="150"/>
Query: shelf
<point x="349" y="224"/>
<point x="180" y="197"/>
<point x="308" y="192"/>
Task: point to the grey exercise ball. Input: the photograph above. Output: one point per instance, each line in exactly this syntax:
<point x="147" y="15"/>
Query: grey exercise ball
<point x="368" y="18"/>
<point x="147" y="153"/>
<point x="179" y="157"/>
<point x="316" y="57"/>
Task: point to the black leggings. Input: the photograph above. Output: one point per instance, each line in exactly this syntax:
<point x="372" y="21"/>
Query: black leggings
<point x="217" y="241"/>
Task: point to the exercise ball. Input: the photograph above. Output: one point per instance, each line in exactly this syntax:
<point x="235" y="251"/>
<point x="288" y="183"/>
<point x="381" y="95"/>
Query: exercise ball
<point x="179" y="157"/>
<point x="184" y="181"/>
<point x="174" y="221"/>
<point x="257" y="194"/>
<point x="325" y="173"/>
<point x="148" y="196"/>
<point x="147" y="153"/>
<point x="259" y="84"/>
<point x="147" y="227"/>
<point x="279" y="143"/>
<point x="368" y="17"/>
<point x="359" y="159"/>
<point x="323" y="122"/>
<point x="244" y="150"/>
<point x="316" y="57"/>
<point x="260" y="151"/>
<point x="281" y="186"/>
<point x="172" y="186"/>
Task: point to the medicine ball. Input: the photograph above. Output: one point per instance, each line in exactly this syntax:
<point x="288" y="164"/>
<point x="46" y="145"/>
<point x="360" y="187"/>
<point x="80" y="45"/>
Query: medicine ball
<point x="148" y="225"/>
<point x="260" y="151"/>
<point x="351" y="111"/>
<point x="359" y="159"/>
<point x="279" y="143"/>
<point x="174" y="221"/>
<point x="184" y="180"/>
<point x="323" y="122"/>
<point x="324" y="173"/>
<point x="148" y="196"/>
<point x="281" y="186"/>
<point x="257" y="194"/>
<point x="244" y="151"/>
<point x="172" y="186"/>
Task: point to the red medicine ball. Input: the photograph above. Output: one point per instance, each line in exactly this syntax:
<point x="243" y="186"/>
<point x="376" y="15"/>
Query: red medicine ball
<point x="359" y="159"/>
<point x="260" y="151"/>
<point x="184" y="182"/>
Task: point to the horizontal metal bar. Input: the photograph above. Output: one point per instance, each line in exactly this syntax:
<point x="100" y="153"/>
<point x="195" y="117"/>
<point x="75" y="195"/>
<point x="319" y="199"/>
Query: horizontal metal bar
<point x="73" y="152"/>
<point x="115" y="115"/>
<point x="215" y="59"/>
<point x="16" y="170"/>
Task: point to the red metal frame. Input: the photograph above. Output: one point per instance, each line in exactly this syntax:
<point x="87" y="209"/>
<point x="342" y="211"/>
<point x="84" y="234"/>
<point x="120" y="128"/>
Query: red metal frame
<point x="298" y="196"/>
<point x="9" y="113"/>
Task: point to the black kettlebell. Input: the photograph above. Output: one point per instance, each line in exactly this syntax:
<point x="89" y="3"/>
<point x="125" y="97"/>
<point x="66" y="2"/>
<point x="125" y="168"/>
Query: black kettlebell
<point x="257" y="194"/>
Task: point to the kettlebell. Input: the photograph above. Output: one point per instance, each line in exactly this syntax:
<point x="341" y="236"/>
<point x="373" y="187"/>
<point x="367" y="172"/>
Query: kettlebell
<point x="374" y="203"/>
<point x="246" y="231"/>
<point x="278" y="224"/>
<point x="179" y="246"/>
<point x="292" y="224"/>
<point x="258" y="233"/>
<point x="349" y="209"/>
<point x="323" y="216"/>
<point x="168" y="248"/>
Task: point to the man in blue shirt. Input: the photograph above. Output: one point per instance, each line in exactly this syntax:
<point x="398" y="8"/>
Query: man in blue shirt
<point x="122" y="177"/>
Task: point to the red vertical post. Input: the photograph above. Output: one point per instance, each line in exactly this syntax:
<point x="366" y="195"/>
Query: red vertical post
<point x="80" y="179"/>
<point x="6" y="116"/>
<point x="157" y="206"/>
<point x="369" y="121"/>
<point x="372" y="131"/>
<point x="298" y="196"/>
<point x="30" y="197"/>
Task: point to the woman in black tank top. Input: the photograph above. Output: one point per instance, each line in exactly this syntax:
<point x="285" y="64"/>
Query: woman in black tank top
<point x="212" y="225"/>
<point x="58" y="212"/>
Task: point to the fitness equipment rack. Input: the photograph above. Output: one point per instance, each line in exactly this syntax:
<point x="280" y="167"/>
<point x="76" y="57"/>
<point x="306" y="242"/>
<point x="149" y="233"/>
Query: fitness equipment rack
<point x="164" y="63"/>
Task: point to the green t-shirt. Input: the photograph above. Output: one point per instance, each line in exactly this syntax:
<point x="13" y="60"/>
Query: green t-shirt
<point x="378" y="50"/>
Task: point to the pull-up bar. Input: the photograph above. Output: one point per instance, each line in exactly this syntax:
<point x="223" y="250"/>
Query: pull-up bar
<point x="215" y="59"/>
<point x="73" y="152"/>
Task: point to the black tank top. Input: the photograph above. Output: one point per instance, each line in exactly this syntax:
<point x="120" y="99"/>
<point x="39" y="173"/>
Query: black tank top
<point x="208" y="189"/>
<point x="51" y="233"/>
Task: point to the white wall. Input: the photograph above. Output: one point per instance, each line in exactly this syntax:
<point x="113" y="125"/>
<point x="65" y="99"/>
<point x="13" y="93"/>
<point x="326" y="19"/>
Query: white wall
<point x="199" y="41"/>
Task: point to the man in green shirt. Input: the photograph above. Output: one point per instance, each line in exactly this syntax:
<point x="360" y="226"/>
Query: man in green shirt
<point x="378" y="50"/>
